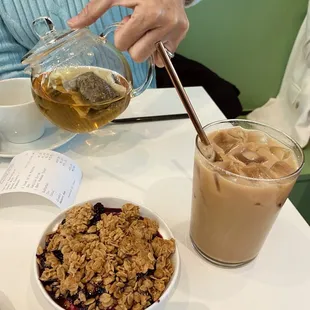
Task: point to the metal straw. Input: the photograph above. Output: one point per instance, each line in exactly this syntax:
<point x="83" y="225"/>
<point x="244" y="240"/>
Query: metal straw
<point x="181" y="92"/>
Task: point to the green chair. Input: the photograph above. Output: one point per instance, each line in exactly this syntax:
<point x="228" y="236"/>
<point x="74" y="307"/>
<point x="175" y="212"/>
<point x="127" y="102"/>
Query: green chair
<point x="248" y="43"/>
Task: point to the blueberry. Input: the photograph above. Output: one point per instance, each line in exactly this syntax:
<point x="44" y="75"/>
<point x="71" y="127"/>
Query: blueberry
<point x="99" y="290"/>
<point x="48" y="282"/>
<point x="96" y="218"/>
<point x="140" y="275"/>
<point x="48" y="239"/>
<point x="59" y="255"/>
<point x="99" y="208"/>
<point x="42" y="263"/>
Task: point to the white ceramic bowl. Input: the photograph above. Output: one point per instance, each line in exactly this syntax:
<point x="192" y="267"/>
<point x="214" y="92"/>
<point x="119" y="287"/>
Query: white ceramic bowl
<point x="109" y="202"/>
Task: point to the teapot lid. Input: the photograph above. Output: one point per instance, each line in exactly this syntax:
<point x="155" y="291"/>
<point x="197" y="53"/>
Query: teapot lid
<point x="50" y="39"/>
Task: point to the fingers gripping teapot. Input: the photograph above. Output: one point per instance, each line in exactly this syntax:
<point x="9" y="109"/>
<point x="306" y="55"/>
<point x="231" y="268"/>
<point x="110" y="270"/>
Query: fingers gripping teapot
<point x="80" y="81"/>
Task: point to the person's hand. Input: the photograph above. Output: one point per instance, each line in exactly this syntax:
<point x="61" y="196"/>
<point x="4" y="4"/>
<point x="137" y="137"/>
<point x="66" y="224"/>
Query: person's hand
<point x="152" y="21"/>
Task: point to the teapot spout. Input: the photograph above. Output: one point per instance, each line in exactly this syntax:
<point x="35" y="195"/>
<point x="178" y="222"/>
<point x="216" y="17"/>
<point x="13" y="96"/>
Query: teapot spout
<point x="27" y="70"/>
<point x="33" y="71"/>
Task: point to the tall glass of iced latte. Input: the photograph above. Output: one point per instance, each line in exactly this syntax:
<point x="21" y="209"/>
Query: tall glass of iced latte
<point x="239" y="193"/>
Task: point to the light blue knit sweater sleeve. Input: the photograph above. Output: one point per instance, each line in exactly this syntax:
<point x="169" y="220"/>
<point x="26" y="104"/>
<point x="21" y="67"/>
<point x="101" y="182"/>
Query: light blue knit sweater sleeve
<point x="17" y="36"/>
<point x="11" y="53"/>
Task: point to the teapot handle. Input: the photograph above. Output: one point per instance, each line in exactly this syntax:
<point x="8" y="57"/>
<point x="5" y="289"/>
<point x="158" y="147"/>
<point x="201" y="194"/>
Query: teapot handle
<point x="151" y="66"/>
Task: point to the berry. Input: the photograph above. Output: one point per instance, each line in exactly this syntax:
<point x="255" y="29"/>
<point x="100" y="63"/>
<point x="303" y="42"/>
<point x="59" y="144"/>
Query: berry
<point x="59" y="255"/>
<point x="98" y="210"/>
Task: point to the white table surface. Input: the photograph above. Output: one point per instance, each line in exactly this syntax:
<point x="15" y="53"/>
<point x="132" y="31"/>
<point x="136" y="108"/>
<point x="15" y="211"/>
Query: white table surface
<point x="151" y="163"/>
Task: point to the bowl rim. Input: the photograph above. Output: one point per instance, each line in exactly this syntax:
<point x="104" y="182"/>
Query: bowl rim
<point x="163" y="226"/>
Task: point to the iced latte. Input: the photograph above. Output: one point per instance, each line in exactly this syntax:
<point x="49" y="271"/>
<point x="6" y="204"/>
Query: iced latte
<point x="238" y="195"/>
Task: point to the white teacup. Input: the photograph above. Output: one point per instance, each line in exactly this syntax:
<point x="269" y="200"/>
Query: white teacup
<point x="20" y="119"/>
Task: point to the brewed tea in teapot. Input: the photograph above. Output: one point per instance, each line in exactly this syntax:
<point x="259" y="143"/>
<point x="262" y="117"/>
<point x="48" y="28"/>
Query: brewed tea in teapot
<point x="80" y="82"/>
<point x="81" y="99"/>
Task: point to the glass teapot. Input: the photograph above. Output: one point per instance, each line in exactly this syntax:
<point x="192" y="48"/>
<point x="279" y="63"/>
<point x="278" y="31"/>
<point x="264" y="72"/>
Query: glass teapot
<point x="80" y="81"/>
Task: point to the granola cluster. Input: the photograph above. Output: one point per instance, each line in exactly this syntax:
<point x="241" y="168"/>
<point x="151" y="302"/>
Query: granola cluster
<point x="103" y="258"/>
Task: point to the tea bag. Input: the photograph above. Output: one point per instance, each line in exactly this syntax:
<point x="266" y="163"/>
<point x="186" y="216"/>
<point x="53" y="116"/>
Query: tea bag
<point x="86" y="91"/>
<point x="92" y="88"/>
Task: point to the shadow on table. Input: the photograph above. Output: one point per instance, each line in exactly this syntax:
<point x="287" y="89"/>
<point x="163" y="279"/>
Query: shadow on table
<point x="169" y="305"/>
<point x="106" y="142"/>
<point x="200" y="280"/>
<point x="5" y="160"/>
<point x="120" y="179"/>
<point x="32" y="203"/>
<point x="105" y="149"/>
<point x="38" y="294"/>
<point x="5" y="303"/>
<point x="117" y="138"/>
<point x="284" y="259"/>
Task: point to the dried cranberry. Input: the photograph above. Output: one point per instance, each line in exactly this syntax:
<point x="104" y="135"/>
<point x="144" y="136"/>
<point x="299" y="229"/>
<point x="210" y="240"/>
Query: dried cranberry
<point x="68" y="305"/>
<point x="59" y="255"/>
<point x="73" y="307"/>
<point x="158" y="235"/>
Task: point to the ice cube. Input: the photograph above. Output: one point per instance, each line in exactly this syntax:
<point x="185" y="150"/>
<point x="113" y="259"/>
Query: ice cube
<point x="239" y="148"/>
<point x="238" y="133"/>
<point x="207" y="151"/>
<point x="225" y="141"/>
<point x="230" y="166"/>
<point x="265" y="152"/>
<point x="218" y="157"/>
<point x="234" y="167"/>
<point x="248" y="156"/>
<point x="282" y="169"/>
<point x="280" y="152"/>
<point x="257" y="171"/>
<point x="221" y="164"/>
<point x="257" y="137"/>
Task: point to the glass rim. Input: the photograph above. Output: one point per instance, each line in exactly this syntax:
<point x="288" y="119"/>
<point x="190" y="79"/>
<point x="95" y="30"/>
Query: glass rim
<point x="289" y="176"/>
